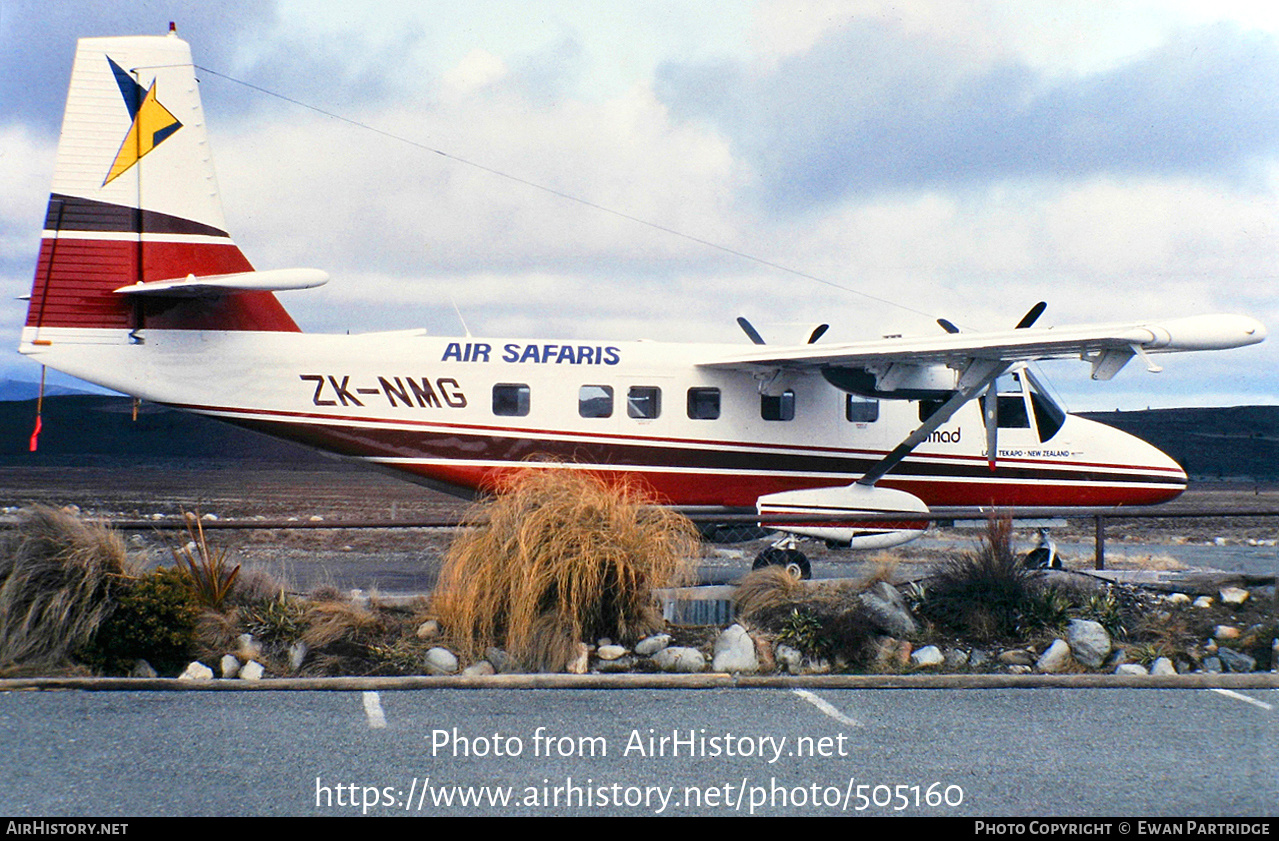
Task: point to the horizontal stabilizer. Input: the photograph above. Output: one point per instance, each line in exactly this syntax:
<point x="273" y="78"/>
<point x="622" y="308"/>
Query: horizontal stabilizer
<point x="272" y="280"/>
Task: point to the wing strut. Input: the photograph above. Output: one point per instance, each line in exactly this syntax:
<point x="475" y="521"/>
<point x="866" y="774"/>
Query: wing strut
<point x="979" y="374"/>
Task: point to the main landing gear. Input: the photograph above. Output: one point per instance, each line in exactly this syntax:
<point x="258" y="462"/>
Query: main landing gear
<point x="784" y="554"/>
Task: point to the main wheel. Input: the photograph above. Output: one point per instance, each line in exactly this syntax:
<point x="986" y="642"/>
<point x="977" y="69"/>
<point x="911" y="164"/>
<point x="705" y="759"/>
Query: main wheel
<point x="793" y="560"/>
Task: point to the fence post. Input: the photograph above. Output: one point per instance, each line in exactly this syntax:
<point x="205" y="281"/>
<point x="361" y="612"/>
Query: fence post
<point x="1099" y="544"/>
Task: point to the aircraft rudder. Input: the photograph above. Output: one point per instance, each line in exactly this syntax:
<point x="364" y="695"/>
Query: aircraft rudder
<point x="135" y="198"/>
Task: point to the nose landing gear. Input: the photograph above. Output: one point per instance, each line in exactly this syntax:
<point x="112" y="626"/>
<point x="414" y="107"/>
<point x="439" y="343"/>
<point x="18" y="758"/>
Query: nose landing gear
<point x="784" y="554"/>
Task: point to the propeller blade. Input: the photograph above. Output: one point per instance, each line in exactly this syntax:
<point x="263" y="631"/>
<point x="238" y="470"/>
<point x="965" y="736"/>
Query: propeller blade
<point x="948" y="326"/>
<point x="818" y="332"/>
<point x="1033" y="315"/>
<point x="750" y="331"/>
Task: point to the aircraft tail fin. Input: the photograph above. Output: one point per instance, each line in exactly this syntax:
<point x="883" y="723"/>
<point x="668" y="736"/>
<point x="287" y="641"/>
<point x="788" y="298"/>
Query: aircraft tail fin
<point x="135" y="200"/>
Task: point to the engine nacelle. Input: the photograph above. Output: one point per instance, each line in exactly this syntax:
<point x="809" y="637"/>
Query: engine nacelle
<point x="814" y="513"/>
<point x="895" y="382"/>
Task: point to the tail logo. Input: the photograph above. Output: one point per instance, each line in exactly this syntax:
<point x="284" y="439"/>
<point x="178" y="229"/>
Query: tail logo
<point x="152" y="122"/>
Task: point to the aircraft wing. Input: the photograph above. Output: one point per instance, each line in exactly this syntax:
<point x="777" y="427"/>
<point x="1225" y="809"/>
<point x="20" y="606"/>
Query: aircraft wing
<point x="1116" y="343"/>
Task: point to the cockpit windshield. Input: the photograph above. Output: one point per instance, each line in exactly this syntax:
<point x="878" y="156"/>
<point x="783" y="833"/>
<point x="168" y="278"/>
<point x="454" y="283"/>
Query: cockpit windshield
<point x="1020" y="401"/>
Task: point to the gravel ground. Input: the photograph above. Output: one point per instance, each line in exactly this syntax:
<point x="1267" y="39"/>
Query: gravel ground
<point x="406" y="560"/>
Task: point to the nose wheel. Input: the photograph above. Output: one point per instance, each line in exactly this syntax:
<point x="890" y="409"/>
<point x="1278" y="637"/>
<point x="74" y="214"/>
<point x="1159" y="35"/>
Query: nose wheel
<point x="784" y="554"/>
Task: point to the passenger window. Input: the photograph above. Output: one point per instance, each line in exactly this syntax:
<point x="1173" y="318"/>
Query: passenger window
<point x="595" y="401"/>
<point x="644" y="401"/>
<point x="860" y="409"/>
<point x="703" y="403"/>
<point x="780" y="408"/>
<point x="510" y="399"/>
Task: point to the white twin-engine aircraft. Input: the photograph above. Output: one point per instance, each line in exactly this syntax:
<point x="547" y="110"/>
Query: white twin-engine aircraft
<point x="139" y="288"/>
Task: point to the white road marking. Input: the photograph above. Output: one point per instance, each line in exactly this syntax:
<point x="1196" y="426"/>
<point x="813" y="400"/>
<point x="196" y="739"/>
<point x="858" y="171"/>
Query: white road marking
<point x="373" y="710"/>
<point x="826" y="707"/>
<point x="1238" y="696"/>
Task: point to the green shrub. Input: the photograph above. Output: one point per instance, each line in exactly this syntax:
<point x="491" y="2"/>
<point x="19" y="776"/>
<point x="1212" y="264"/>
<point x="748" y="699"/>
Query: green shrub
<point x="804" y="632"/>
<point x="154" y="620"/>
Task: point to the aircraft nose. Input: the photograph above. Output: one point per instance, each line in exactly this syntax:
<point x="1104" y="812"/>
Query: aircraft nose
<point x="1171" y="476"/>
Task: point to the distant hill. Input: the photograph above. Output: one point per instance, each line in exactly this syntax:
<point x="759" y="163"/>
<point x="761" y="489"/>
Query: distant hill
<point x="11" y="389"/>
<point x="100" y="429"/>
<point x="1225" y="443"/>
<point x="1240" y="442"/>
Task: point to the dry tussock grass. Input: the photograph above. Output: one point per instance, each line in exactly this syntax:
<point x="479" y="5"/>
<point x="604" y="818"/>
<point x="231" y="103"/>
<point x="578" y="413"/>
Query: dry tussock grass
<point x="335" y="621"/>
<point x="767" y="593"/>
<point x="558" y="557"/>
<point x="1152" y="562"/>
<point x="57" y="574"/>
<point x="882" y="567"/>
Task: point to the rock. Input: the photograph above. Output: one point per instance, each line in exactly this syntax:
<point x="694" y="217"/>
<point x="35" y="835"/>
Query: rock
<point x="1212" y="665"/>
<point x="735" y="652"/>
<point x="428" y="630"/>
<point x="649" y="646"/>
<point x="622" y="664"/>
<point x="580" y="663"/>
<point x="610" y="652"/>
<point x="1018" y="669"/>
<point x="928" y="657"/>
<point x="1225" y="632"/>
<point x="1177" y="599"/>
<point x="500" y="660"/>
<point x="141" y="668"/>
<point x="820" y="666"/>
<point x="481" y="669"/>
<point x="978" y="658"/>
<point x="1163" y="666"/>
<point x="1203" y="602"/>
<point x="888" y="610"/>
<point x="210" y="518"/>
<point x="891" y="653"/>
<point x="297" y="654"/>
<point x="603" y="641"/>
<point x="230" y="666"/>
<point x="1274" y="655"/>
<point x="1234" y="661"/>
<point x="1233" y="595"/>
<point x="252" y="670"/>
<point x="788" y="659"/>
<point x="1089" y="642"/>
<point x="1130" y="669"/>
<point x="1055" y="659"/>
<point x="247" y="648"/>
<point x="1016" y="657"/>
<point x="956" y="658"/>
<point x="196" y="671"/>
<point x="440" y="661"/>
<point x="680" y="659"/>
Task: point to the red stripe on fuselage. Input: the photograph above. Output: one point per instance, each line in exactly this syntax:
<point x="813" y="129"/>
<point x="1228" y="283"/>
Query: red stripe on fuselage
<point x="690" y="476"/>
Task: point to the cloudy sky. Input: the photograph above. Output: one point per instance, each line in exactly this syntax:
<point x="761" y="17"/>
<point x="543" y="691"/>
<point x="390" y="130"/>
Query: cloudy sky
<point x="874" y="165"/>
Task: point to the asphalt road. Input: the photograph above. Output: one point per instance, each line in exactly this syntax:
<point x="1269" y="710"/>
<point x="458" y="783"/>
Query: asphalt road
<point x="1026" y="752"/>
